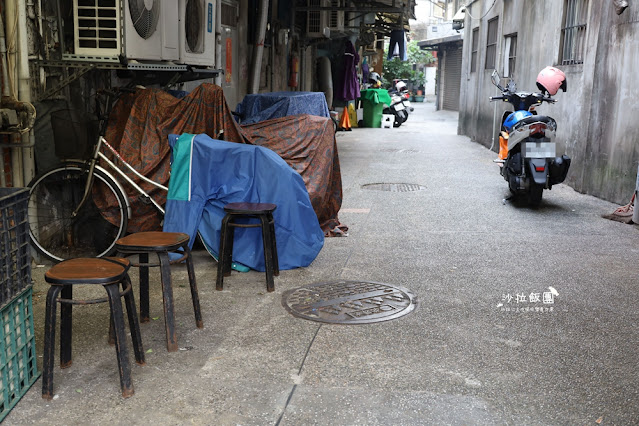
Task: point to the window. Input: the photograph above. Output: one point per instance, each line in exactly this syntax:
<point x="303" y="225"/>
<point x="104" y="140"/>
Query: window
<point x="573" y="33"/>
<point x="491" y="44"/>
<point x="510" y="47"/>
<point x="473" y="55"/>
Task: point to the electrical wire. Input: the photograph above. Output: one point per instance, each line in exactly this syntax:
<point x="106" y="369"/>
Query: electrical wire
<point x="437" y="4"/>
<point x="471" y="16"/>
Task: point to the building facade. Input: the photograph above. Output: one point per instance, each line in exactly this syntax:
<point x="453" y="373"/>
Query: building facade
<point x="595" y="44"/>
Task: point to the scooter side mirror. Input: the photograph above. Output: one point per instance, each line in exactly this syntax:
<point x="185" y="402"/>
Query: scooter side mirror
<point x="496" y="79"/>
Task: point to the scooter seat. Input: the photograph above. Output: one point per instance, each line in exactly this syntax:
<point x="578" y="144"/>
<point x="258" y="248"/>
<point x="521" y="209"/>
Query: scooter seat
<point x="549" y="121"/>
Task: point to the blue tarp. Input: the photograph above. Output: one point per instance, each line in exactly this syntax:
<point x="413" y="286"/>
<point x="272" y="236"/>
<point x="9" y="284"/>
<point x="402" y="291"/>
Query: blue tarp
<point x="265" y="106"/>
<point x="207" y="174"/>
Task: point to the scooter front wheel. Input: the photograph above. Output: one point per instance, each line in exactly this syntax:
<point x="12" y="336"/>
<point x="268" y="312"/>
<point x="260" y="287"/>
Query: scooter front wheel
<point x="400" y="117"/>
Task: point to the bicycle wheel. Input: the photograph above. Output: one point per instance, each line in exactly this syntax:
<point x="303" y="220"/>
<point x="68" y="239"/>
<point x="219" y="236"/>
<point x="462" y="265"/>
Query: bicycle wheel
<point x="54" y="196"/>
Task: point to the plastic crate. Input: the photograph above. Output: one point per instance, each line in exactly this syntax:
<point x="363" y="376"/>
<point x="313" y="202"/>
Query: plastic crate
<point x="15" y="259"/>
<point x="18" y="364"/>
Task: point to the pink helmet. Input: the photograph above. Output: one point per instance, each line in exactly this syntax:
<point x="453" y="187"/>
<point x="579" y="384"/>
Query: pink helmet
<point x="551" y="79"/>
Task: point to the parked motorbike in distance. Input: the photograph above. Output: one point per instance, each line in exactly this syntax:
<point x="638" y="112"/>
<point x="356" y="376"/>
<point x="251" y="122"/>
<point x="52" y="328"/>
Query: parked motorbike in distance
<point x="400" y="88"/>
<point x="397" y="109"/>
<point x="400" y="105"/>
<point x="527" y="156"/>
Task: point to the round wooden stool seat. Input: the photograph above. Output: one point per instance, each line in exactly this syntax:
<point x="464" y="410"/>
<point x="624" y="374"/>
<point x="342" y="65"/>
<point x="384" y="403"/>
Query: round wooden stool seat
<point x="152" y="241"/>
<point x="88" y="271"/>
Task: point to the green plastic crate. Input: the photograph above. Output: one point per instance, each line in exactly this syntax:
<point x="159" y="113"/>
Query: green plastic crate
<point x="18" y="364"/>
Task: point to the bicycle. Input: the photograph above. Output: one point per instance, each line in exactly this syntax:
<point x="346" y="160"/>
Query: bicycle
<point x="66" y="209"/>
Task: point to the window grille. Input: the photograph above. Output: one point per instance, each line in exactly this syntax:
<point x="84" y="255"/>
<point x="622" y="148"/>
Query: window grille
<point x="573" y="33"/>
<point x="510" y="48"/>
<point x="491" y="44"/>
<point x="473" y="55"/>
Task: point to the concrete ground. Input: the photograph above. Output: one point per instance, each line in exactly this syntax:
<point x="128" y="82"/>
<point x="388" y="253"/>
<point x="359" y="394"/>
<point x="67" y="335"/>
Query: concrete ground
<point x="464" y="356"/>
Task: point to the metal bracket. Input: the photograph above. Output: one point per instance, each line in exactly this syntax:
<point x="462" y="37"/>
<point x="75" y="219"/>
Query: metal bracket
<point x="65" y="82"/>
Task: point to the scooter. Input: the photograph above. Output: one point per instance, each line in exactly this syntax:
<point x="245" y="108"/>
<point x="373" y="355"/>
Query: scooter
<point x="397" y="109"/>
<point x="401" y="90"/>
<point x="527" y="156"/>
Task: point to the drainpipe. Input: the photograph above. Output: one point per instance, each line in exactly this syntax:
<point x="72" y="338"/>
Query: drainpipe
<point x="258" y="50"/>
<point x="218" y="41"/>
<point x="5" y="90"/>
<point x="24" y="91"/>
<point x="11" y="19"/>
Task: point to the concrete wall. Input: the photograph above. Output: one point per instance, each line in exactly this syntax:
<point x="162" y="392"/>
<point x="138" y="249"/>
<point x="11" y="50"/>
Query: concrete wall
<point x="596" y="119"/>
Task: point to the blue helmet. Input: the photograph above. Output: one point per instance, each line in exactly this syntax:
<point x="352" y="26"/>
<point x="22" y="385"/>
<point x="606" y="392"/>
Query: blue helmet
<point x="514" y="118"/>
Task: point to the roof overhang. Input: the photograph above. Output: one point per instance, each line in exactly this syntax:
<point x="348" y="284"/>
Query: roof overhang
<point x="435" y="43"/>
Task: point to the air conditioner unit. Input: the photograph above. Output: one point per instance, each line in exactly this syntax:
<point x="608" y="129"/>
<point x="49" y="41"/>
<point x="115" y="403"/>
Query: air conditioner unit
<point x="150" y="29"/>
<point x="316" y="20"/>
<point x="197" y="32"/>
<point x="321" y="23"/>
<point x="336" y="17"/>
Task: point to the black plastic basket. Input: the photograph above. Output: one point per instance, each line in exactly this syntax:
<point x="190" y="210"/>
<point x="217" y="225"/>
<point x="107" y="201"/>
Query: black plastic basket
<point x="74" y="133"/>
<point x="15" y="259"/>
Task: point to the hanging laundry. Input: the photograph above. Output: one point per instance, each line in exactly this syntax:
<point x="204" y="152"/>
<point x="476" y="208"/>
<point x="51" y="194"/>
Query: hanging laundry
<point x="397" y="45"/>
<point x="348" y="86"/>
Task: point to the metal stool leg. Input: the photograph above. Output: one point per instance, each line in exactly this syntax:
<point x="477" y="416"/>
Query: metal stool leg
<point x="276" y="262"/>
<point x="230" y="238"/>
<point x="167" y="295"/>
<point x="268" y="252"/>
<point x="49" y="342"/>
<point x="124" y="366"/>
<point x="193" y="285"/>
<point x="219" y="282"/>
<point x="144" y="286"/>
<point x="66" y="329"/>
<point x="134" y="325"/>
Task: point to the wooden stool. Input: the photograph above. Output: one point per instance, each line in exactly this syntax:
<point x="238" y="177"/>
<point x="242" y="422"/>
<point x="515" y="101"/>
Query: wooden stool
<point x="110" y="273"/>
<point x="261" y="211"/>
<point x="162" y="243"/>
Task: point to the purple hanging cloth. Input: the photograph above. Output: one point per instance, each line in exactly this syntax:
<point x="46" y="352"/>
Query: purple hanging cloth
<point x="348" y="90"/>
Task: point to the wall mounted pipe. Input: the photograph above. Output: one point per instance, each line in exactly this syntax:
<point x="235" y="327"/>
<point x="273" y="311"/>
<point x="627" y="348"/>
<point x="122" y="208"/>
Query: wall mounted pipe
<point x="24" y="91"/>
<point x="218" y="41"/>
<point x="11" y="34"/>
<point x="258" y="50"/>
<point x="5" y="89"/>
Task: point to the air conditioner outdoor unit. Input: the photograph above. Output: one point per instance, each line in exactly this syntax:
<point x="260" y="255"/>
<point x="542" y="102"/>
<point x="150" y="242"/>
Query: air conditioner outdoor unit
<point x="197" y="32"/>
<point x="321" y="23"/>
<point x="316" y="20"/>
<point x="336" y="17"/>
<point x="150" y="29"/>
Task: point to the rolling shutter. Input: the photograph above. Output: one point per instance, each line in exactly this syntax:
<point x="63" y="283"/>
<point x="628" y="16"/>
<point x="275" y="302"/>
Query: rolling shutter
<point x="451" y="79"/>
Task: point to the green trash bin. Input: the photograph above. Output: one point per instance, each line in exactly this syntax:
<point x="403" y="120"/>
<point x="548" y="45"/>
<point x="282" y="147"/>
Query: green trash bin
<point x="373" y="101"/>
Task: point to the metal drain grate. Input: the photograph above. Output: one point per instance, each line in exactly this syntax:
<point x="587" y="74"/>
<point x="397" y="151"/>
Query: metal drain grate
<point x="394" y="187"/>
<point x="349" y="302"/>
<point x="398" y="150"/>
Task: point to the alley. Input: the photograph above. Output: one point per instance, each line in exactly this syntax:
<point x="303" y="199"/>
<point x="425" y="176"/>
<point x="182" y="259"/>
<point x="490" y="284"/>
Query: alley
<point x="523" y="316"/>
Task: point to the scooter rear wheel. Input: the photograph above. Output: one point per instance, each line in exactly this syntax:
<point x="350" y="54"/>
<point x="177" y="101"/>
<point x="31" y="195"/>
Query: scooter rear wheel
<point x="535" y="193"/>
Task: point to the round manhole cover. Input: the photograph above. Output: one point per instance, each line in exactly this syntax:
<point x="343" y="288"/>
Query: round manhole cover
<point x="394" y="187"/>
<point x="349" y="302"/>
